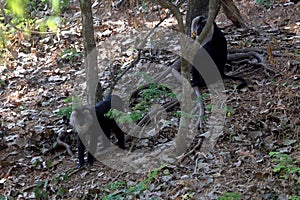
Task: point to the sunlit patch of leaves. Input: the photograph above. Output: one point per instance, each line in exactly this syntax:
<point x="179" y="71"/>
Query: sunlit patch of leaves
<point x="17" y="6"/>
<point x="21" y="14"/>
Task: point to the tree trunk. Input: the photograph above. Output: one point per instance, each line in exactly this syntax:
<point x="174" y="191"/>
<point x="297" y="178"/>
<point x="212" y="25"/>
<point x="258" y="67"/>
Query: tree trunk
<point x="233" y="13"/>
<point x="91" y="63"/>
<point x="195" y="8"/>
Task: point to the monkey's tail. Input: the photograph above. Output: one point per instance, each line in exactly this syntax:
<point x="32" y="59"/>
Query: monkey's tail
<point x="235" y="78"/>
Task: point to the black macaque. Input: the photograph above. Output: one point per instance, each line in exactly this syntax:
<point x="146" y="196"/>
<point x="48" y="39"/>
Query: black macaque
<point x="216" y="47"/>
<point x="86" y="121"/>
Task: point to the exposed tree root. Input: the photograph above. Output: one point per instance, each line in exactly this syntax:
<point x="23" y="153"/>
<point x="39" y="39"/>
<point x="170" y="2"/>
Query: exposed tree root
<point x="251" y="54"/>
<point x="200" y="141"/>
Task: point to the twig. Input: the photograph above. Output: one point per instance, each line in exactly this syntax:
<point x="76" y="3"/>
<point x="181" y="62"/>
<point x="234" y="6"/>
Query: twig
<point x="68" y="148"/>
<point x="8" y="172"/>
<point x="214" y="7"/>
<point x="132" y="64"/>
<point x="142" y="44"/>
<point x="75" y="171"/>
<point x="200" y="141"/>
<point x="136" y="60"/>
<point x="147" y="118"/>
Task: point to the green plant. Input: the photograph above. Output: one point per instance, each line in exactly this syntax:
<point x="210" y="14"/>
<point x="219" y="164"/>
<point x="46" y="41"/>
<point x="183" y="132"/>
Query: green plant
<point x="68" y="54"/>
<point x="66" y="111"/>
<point x="294" y="198"/>
<point x="297" y="55"/>
<point x="42" y="187"/>
<point x="58" y="178"/>
<point x="2" y="197"/>
<point x="37" y="161"/>
<point x="228" y="111"/>
<point x="156" y="90"/>
<point x="286" y="165"/>
<point x="267" y="2"/>
<point x="2" y="82"/>
<point x="115" y="185"/>
<point x="22" y="13"/>
<point x="230" y="196"/>
<point x="204" y="97"/>
<point x="17" y="6"/>
<point x="149" y="96"/>
<point x="123" y="117"/>
<point x="40" y="190"/>
<point x="125" y="191"/>
<point x="209" y="107"/>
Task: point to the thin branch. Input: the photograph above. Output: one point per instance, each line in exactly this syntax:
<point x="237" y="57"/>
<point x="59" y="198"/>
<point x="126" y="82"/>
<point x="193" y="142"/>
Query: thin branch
<point x="68" y="147"/>
<point x="214" y="7"/>
<point x="175" y="11"/>
<point x="200" y="141"/>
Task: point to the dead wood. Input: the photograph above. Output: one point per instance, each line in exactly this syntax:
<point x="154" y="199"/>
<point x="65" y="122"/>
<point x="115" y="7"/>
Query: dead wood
<point x="233" y="13"/>
<point x="200" y="141"/>
<point x="68" y="147"/>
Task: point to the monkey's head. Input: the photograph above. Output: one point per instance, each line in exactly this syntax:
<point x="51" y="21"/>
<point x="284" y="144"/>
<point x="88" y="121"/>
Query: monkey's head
<point x="81" y="118"/>
<point x="197" y="26"/>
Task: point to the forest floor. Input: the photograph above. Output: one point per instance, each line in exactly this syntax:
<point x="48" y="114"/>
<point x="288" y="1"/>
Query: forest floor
<point x="39" y="73"/>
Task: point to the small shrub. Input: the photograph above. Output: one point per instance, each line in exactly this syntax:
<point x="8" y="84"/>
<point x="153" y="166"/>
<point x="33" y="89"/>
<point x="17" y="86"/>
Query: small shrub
<point x="286" y="166"/>
<point x="230" y="196"/>
<point x="125" y="191"/>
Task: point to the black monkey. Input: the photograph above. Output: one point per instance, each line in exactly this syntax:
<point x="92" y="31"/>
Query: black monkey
<point x="216" y="47"/>
<point x="86" y="121"/>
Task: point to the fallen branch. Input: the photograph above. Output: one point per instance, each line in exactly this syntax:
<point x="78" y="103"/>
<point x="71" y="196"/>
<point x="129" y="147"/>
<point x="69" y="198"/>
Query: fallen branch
<point x="8" y="173"/>
<point x="233" y="13"/>
<point x="138" y="58"/>
<point x="68" y="148"/>
<point x="156" y="111"/>
<point x="200" y="141"/>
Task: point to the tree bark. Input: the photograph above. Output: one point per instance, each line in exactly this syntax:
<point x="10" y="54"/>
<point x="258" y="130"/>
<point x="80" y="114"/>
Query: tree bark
<point x="181" y="143"/>
<point x="233" y="13"/>
<point x="195" y="8"/>
<point x="91" y="63"/>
